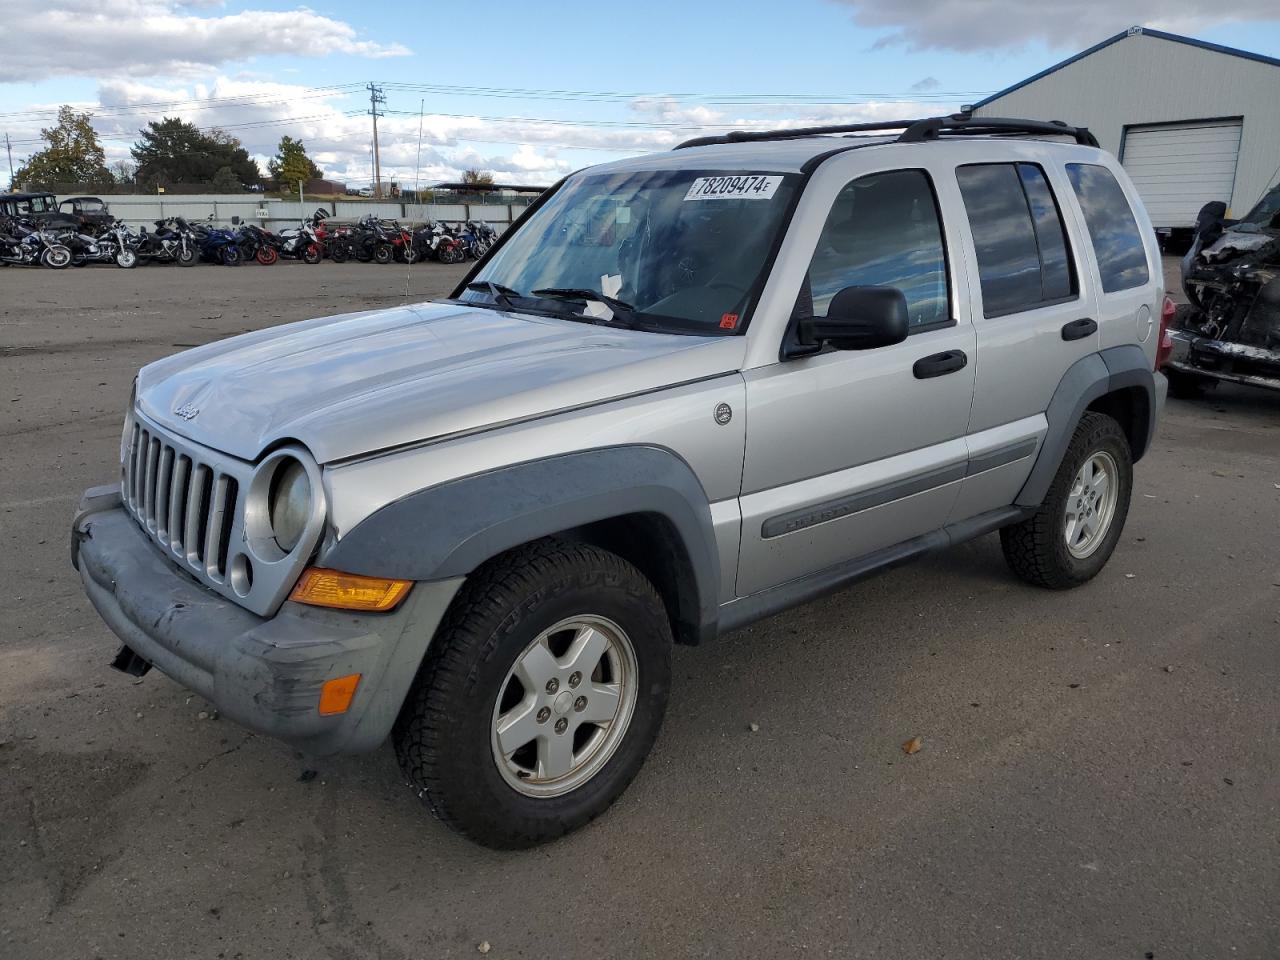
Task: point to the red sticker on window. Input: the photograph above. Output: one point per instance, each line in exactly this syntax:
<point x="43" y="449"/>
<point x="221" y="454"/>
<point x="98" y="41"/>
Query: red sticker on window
<point x="729" y="321"/>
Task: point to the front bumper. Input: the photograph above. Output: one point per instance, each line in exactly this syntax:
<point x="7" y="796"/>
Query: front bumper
<point x="265" y="673"/>
<point x="1224" y="360"/>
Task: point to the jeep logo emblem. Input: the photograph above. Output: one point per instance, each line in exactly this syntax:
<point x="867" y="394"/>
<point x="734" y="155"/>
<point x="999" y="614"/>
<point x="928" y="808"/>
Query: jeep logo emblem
<point x="188" y="411"/>
<point x="724" y="413"/>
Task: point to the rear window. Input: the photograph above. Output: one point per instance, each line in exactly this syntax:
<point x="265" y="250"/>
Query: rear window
<point x="1122" y="259"/>
<point x="1023" y="258"/>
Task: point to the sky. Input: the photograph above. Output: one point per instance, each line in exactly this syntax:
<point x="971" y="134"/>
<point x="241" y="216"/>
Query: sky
<point x="529" y="91"/>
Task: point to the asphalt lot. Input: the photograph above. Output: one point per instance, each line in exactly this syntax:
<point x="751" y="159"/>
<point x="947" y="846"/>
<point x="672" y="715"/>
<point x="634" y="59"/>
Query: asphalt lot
<point x="1099" y="778"/>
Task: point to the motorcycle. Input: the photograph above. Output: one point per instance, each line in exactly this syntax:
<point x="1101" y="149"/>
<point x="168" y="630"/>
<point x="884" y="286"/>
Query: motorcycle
<point x="217" y="245"/>
<point x="255" y="243"/>
<point x="369" y="239"/>
<point x="23" y="242"/>
<point x="477" y="237"/>
<point x="110" y="245"/>
<point x="173" y="241"/>
<point x="446" y="247"/>
<point x="305" y="243"/>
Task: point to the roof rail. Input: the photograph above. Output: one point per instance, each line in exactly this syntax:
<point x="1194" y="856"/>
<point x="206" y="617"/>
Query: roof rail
<point x="913" y="131"/>
<point x="967" y="124"/>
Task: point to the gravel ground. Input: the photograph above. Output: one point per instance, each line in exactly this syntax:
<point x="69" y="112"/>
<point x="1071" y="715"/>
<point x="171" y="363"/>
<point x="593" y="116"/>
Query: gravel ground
<point x="1099" y="773"/>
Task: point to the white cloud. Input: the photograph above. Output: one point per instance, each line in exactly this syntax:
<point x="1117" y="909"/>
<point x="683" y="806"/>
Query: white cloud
<point x="968" y="25"/>
<point x="162" y="38"/>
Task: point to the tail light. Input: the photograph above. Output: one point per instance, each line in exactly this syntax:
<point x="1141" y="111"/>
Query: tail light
<point x="1164" y="346"/>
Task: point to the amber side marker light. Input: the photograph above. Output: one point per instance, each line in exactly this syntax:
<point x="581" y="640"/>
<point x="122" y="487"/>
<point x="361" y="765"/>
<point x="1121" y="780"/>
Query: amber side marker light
<point x="336" y="694"/>
<point x="349" y="591"/>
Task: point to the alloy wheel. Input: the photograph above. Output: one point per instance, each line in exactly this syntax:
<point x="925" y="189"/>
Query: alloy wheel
<point x="564" y="706"/>
<point x="1091" y="504"/>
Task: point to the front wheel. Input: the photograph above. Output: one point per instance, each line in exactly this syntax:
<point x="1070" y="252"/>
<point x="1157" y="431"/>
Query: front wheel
<point x="188" y="257"/>
<point x="383" y="253"/>
<point x="1073" y="533"/>
<point x="56" y="257"/>
<point x="313" y="254"/>
<point x="126" y="259"/>
<point x="339" y="253"/>
<point x="266" y="256"/>
<point x="231" y="255"/>
<point x="540" y="697"/>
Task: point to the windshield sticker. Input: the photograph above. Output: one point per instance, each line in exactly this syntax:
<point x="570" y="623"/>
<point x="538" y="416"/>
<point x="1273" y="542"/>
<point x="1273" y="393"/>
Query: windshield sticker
<point x="623" y="215"/>
<point x="611" y="285"/>
<point x="746" y="187"/>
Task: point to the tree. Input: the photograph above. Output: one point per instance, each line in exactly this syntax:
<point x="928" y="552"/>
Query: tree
<point x="291" y="165"/>
<point x="477" y="178"/>
<point x="172" y="151"/>
<point x="123" y="171"/>
<point x="225" y="181"/>
<point x="72" y="156"/>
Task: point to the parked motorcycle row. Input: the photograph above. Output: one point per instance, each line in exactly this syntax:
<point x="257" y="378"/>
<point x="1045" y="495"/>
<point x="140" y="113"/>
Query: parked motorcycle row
<point x="176" y="240"/>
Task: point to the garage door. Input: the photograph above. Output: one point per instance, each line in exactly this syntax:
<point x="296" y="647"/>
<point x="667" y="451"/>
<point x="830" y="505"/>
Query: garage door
<point x="1178" y="168"/>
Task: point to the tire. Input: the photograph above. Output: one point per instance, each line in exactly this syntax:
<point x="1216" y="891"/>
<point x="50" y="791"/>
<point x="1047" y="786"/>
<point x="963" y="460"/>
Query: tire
<point x="126" y="259"/>
<point x="446" y="735"/>
<point x="231" y="255"/>
<point x="313" y="254"/>
<point x="383" y="253"/>
<point x="1188" y="386"/>
<point x="266" y="256"/>
<point x="1037" y="548"/>
<point x="410" y="255"/>
<point x="56" y="257"/>
<point x="339" y="253"/>
<point x="187" y="258"/>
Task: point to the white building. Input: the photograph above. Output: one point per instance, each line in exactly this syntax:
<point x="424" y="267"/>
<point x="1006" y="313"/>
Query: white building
<point x="1191" y="121"/>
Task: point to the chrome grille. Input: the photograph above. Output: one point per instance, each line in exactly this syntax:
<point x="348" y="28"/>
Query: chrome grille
<point x="186" y="500"/>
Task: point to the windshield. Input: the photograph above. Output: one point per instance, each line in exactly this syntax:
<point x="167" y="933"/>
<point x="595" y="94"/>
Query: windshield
<point x="1267" y="211"/>
<point x="680" y="251"/>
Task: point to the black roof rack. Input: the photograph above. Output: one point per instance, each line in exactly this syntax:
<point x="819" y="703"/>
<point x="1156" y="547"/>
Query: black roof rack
<point x="913" y="131"/>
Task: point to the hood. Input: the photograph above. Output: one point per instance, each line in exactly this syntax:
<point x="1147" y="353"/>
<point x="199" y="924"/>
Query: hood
<point x="352" y="384"/>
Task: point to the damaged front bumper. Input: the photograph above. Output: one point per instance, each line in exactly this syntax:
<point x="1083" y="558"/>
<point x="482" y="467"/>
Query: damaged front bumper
<point x="265" y="673"/>
<point x="1224" y="360"/>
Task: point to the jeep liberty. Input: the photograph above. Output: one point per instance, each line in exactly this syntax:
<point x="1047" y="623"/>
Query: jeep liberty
<point x="684" y="392"/>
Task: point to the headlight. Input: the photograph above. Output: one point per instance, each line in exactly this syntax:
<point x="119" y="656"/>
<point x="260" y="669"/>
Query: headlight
<point x="290" y="503"/>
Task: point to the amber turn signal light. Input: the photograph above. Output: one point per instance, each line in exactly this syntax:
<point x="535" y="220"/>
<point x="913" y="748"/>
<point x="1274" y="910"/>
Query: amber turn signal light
<point x="336" y="694"/>
<point x="349" y="591"/>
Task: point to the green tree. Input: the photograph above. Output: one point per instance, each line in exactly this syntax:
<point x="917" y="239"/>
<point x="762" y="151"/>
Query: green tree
<point x="73" y="154"/>
<point x="173" y="151"/>
<point x="225" y="181"/>
<point x="291" y="165"/>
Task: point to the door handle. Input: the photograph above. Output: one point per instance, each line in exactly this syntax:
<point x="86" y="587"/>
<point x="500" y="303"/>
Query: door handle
<point x="1079" y="329"/>
<point x="938" y="364"/>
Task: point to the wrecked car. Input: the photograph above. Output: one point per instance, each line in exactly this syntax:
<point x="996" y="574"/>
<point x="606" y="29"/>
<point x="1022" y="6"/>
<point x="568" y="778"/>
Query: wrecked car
<point x="1230" y="330"/>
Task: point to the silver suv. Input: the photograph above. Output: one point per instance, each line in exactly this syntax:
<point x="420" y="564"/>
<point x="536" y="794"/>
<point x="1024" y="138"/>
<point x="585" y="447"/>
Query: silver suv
<point x="686" y="391"/>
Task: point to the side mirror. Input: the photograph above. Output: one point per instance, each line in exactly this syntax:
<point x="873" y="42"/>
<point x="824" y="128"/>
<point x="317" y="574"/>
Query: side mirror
<point x="859" y="318"/>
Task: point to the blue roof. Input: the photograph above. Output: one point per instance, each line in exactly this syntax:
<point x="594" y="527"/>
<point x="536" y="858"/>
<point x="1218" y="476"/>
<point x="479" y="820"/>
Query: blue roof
<point x="1135" y="31"/>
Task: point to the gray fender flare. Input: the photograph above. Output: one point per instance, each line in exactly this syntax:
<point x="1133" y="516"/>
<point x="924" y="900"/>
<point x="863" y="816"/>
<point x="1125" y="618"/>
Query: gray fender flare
<point x="451" y="529"/>
<point x="1116" y="368"/>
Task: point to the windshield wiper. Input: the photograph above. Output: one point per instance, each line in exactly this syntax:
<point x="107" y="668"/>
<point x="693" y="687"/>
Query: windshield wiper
<point x="623" y="312"/>
<point x="499" y="293"/>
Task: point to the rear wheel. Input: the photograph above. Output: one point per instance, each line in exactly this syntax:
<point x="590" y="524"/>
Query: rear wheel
<point x="541" y="696"/>
<point x="383" y="253"/>
<point x="1073" y="533"/>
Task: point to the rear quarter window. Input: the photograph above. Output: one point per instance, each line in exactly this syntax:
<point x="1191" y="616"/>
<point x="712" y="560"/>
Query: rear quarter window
<point x="1117" y="243"/>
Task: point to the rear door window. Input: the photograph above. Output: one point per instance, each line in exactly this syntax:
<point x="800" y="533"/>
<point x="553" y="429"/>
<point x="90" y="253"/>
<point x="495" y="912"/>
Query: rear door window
<point x="1024" y="261"/>
<point x="1122" y="258"/>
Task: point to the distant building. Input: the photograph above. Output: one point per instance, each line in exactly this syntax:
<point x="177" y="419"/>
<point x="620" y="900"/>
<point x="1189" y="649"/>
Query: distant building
<point x="1190" y="121"/>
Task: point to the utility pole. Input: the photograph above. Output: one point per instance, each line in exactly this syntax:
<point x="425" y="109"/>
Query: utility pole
<point x="9" y="150"/>
<point x="376" y="97"/>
